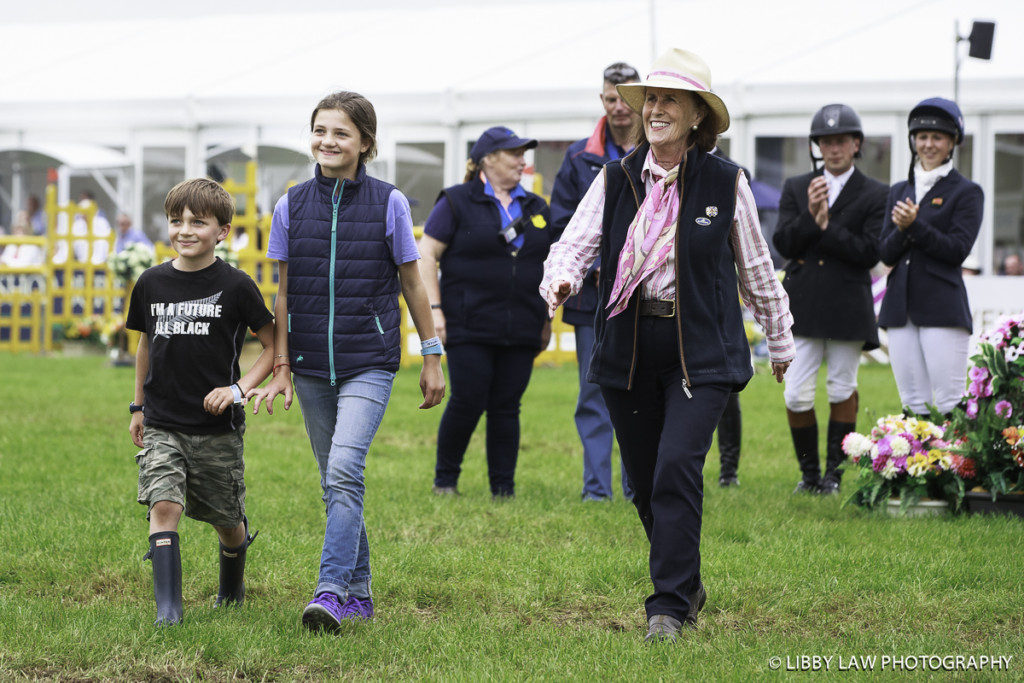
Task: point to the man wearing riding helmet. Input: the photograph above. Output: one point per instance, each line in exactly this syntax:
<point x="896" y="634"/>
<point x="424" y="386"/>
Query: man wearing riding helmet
<point x="829" y="222"/>
<point x="932" y="220"/>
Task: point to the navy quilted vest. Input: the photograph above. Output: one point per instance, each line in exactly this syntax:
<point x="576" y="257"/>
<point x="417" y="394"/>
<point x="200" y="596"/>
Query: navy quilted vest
<point x="343" y="315"/>
<point x="489" y="291"/>
<point x="713" y="338"/>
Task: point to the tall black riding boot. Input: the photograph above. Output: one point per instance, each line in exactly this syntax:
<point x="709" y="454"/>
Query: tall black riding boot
<point x="834" y="455"/>
<point x="805" y="442"/>
<point x="730" y="433"/>
<point x="842" y="420"/>
<point x="165" y="555"/>
<point x="232" y="569"/>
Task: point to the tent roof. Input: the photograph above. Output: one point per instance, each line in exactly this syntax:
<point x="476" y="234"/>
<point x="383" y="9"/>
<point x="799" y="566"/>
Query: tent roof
<point x="75" y="155"/>
<point x="120" y="50"/>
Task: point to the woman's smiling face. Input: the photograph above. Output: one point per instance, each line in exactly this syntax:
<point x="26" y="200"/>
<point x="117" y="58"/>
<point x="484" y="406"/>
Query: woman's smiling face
<point x="933" y="147"/>
<point x="669" y="116"/>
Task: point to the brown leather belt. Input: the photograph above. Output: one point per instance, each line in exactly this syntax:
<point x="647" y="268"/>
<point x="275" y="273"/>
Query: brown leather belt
<point x="658" y="308"/>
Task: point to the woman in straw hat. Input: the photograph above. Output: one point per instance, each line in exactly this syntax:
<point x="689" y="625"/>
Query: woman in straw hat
<point x="679" y="231"/>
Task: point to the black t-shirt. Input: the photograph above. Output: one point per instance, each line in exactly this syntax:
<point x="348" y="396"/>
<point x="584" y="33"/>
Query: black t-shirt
<point x="195" y="322"/>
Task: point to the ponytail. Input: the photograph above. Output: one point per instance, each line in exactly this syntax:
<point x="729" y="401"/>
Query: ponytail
<point x="472" y="170"/>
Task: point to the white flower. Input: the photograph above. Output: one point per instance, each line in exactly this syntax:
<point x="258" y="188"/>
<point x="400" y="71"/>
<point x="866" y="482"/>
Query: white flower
<point x="889" y="471"/>
<point x="899" y="445"/>
<point x="856" y="445"/>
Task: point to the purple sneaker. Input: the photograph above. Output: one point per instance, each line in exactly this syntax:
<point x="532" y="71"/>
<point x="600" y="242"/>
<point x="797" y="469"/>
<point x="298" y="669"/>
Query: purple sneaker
<point x="323" y="613"/>
<point x="357" y="609"/>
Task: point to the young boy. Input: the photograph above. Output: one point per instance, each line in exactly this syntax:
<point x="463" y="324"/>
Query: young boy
<point x="187" y="416"/>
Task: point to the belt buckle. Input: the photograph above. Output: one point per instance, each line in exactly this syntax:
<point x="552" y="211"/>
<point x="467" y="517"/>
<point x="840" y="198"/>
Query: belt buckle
<point x="671" y="308"/>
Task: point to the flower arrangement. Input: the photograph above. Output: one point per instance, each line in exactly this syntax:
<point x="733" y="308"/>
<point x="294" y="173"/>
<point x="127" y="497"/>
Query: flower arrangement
<point x="986" y="426"/>
<point x="905" y="457"/>
<point x="86" y="329"/>
<point x="127" y="265"/>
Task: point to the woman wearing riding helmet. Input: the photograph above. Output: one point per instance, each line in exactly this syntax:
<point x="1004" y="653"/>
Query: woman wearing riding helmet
<point x="932" y="220"/>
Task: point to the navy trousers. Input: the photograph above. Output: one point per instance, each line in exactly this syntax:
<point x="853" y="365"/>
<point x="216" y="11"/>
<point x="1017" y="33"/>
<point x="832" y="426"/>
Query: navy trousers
<point x="594" y="427"/>
<point x="491" y="378"/>
<point x="664" y="438"/>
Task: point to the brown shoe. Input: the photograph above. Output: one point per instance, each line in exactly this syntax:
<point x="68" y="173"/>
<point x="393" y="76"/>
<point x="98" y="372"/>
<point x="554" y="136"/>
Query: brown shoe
<point x="662" y="628"/>
<point x="446" y="491"/>
<point x="697" y="600"/>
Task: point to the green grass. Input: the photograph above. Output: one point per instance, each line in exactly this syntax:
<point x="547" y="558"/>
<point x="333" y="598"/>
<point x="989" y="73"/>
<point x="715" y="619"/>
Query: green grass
<point x="543" y="586"/>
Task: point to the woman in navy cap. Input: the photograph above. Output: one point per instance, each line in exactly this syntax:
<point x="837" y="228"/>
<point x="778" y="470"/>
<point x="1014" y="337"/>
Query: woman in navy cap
<point x="490" y="237"/>
<point x="932" y="220"/>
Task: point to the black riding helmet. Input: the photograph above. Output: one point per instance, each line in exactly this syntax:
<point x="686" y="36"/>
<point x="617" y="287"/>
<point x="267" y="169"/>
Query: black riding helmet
<point x="934" y="113"/>
<point x="833" y="119"/>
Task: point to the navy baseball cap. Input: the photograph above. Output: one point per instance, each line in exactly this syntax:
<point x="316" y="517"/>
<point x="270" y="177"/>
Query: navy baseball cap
<point x="498" y="137"/>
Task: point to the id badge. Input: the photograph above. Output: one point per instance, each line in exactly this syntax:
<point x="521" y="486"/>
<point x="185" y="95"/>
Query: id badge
<point x="509" y="233"/>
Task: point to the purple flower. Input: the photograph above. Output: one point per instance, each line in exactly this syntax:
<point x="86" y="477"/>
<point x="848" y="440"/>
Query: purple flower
<point x="1004" y="409"/>
<point x="884" y="449"/>
<point x="978" y="373"/>
<point x="900" y="463"/>
<point x="972" y="408"/>
<point x="878" y="464"/>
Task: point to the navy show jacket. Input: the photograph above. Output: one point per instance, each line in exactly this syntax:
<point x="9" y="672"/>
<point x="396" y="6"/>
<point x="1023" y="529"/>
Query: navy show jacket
<point x="925" y="285"/>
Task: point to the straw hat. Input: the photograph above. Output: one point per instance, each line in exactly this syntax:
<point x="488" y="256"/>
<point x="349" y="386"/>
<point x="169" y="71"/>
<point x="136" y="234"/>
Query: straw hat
<point x="678" y="70"/>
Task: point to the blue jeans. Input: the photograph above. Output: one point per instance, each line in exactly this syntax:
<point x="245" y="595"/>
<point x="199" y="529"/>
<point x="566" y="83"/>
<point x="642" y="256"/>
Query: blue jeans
<point x="341" y="422"/>
<point x="594" y="427"/>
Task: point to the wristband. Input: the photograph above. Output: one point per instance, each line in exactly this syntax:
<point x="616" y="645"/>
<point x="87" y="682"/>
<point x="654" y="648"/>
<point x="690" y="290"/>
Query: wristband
<point x="435" y="305"/>
<point x="432" y="347"/>
<point x="236" y="391"/>
<point x="280" y="365"/>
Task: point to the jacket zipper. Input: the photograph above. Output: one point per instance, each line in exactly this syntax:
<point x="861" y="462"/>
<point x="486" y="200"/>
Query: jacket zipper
<point x="335" y="203"/>
<point x="636" y="314"/>
<point x="678" y="315"/>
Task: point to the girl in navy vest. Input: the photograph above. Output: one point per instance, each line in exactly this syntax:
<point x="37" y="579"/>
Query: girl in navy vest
<point x="345" y="248"/>
<point x="490" y="237"/>
<point x="932" y="220"/>
<point x="673" y="225"/>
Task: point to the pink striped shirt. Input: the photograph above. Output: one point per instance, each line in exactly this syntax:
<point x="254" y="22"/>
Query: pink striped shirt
<point x="571" y="257"/>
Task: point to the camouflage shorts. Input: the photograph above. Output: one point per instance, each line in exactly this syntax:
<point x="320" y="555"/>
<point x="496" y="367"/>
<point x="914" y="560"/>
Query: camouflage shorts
<point x="201" y="472"/>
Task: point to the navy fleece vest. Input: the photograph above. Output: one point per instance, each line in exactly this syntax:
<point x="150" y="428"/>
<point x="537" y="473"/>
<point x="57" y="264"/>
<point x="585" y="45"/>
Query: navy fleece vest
<point x="714" y="343"/>
<point x="489" y="292"/>
<point x="343" y="315"/>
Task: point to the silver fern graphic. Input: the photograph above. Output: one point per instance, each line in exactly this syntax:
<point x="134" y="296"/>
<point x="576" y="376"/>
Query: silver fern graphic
<point x="166" y="322"/>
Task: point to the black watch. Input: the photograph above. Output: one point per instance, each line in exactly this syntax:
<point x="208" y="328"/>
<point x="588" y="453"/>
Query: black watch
<point x="132" y="409"/>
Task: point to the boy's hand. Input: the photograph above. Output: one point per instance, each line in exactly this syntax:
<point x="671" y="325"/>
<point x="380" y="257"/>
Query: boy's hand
<point x="136" y="429"/>
<point x="431" y="381"/>
<point x="218" y="400"/>
<point x="280" y="384"/>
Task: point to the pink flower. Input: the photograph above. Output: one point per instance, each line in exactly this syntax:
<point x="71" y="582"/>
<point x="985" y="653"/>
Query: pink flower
<point x="1004" y="409"/>
<point x="900" y="463"/>
<point x="978" y="373"/>
<point x="972" y="408"/>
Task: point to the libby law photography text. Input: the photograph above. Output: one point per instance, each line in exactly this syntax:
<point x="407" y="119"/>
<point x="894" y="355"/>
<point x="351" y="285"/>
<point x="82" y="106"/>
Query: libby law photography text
<point x="890" y="663"/>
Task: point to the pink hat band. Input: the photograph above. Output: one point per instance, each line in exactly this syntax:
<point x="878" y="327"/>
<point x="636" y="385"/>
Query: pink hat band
<point x="679" y="77"/>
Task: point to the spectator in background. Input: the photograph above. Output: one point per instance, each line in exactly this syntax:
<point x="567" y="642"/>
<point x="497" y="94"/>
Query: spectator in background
<point x="22" y="255"/>
<point x="36" y="216"/>
<point x="101" y="230"/>
<point x="128" y="234"/>
<point x="611" y="140"/>
<point x="1012" y="264"/>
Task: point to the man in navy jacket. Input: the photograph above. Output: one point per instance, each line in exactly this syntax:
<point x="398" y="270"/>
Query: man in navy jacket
<point x="611" y="140"/>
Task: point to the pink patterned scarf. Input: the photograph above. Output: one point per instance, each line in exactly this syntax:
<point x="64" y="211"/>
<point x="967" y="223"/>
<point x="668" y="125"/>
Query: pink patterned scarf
<point x="650" y="239"/>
